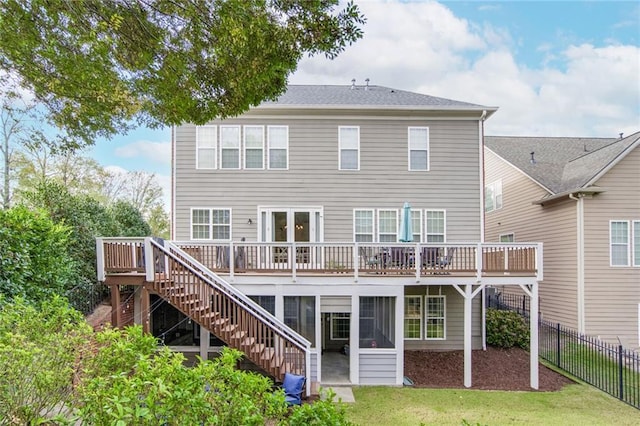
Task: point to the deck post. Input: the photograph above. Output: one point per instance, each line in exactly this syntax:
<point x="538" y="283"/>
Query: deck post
<point x="468" y="298"/>
<point x="144" y="309"/>
<point x="533" y="333"/>
<point x="115" y="306"/>
<point x="149" y="260"/>
<point x="100" y="259"/>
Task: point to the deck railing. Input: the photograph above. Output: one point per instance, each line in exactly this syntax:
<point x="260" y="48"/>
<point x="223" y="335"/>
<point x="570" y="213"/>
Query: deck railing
<point x="352" y="259"/>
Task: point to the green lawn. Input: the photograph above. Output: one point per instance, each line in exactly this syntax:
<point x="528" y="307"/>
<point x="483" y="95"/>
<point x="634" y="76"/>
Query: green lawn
<point x="575" y="405"/>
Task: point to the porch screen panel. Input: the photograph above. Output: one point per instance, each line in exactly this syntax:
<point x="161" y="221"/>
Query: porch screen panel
<point x="377" y="322"/>
<point x="300" y="315"/>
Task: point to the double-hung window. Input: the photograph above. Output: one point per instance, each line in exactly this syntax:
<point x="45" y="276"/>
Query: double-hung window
<point x="349" y="141"/>
<point x="413" y="317"/>
<point x="206" y="147"/>
<point x="435" y="318"/>
<point x="619" y="242"/>
<point x="253" y="147"/>
<point x="229" y="147"/>
<point x="416" y="225"/>
<point x="493" y="196"/>
<point x="278" y="140"/>
<point x="418" y="148"/>
<point x="435" y="226"/>
<point x="210" y="224"/>
<point x="636" y="243"/>
<point x="363" y="226"/>
<point x="387" y="226"/>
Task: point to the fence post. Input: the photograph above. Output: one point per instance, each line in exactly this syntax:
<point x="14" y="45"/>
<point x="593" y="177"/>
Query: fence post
<point x="620" y="373"/>
<point x="558" y="344"/>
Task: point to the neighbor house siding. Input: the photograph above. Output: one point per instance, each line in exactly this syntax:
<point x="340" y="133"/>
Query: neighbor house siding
<point x="554" y="226"/>
<point x="313" y="178"/>
<point x="612" y="293"/>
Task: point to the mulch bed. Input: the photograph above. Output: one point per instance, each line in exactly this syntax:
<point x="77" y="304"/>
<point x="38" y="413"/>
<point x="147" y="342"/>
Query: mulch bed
<point x="495" y="369"/>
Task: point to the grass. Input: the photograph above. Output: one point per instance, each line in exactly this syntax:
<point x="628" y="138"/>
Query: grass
<point x="575" y="405"/>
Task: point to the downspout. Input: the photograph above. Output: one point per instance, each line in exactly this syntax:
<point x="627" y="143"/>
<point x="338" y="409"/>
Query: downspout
<point x="172" y="213"/>
<point x="483" y="291"/>
<point x="580" y="257"/>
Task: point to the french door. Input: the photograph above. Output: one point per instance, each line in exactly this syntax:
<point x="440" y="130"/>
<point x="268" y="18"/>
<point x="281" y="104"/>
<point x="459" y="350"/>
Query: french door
<point x="291" y="225"/>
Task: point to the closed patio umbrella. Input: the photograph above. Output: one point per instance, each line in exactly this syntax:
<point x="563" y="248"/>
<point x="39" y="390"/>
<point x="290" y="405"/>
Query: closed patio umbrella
<point x="406" y="230"/>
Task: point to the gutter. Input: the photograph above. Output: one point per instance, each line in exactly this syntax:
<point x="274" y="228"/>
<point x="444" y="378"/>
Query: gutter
<point x="580" y="284"/>
<point x="570" y="194"/>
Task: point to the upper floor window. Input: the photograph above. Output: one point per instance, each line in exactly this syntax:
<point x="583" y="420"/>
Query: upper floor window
<point x="349" y="141"/>
<point x="619" y="242"/>
<point x="278" y="140"/>
<point x="363" y="226"/>
<point x="206" y="147"/>
<point x="435" y="226"/>
<point x="493" y="196"/>
<point x="210" y="224"/>
<point x="229" y="147"/>
<point x="418" y="148"/>
<point x="253" y="147"/>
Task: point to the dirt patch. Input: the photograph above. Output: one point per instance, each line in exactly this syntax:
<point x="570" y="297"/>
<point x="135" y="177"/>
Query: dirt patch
<point x="496" y="369"/>
<point x="100" y="316"/>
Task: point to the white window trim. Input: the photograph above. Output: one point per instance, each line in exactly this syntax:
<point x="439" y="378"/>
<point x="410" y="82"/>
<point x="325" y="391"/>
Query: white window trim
<point x="628" y="244"/>
<point x="635" y="233"/>
<point x="239" y="149"/>
<point x="426" y="225"/>
<point x="269" y="147"/>
<point x="373" y="224"/>
<point x="244" y="146"/>
<point x="377" y="223"/>
<point x="420" y="215"/>
<point x="210" y="224"/>
<point x="444" y="316"/>
<point x="419" y="318"/>
<point x="428" y="150"/>
<point x="340" y="148"/>
<point x="496" y="190"/>
<point x="338" y="316"/>
<point x="214" y="148"/>
<point x="506" y="234"/>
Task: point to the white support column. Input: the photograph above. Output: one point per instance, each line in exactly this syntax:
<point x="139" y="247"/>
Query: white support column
<point x="204" y="342"/>
<point x="533" y="332"/>
<point x="100" y="259"/>
<point x="149" y="263"/>
<point x="468" y="298"/>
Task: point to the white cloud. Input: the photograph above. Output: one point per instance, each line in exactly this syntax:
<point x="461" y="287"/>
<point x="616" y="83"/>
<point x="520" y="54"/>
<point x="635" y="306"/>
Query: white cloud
<point x="582" y="91"/>
<point x="157" y="152"/>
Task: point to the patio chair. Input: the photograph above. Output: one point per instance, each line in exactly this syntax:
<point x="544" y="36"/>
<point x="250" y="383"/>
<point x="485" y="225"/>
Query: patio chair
<point x="293" y="386"/>
<point x="430" y="257"/>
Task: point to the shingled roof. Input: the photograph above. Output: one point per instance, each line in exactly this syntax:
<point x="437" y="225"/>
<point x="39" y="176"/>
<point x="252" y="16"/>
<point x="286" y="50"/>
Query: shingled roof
<point x="357" y="96"/>
<point x="562" y="164"/>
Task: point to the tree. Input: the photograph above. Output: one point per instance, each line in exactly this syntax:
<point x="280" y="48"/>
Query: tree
<point x="96" y="65"/>
<point x="34" y="255"/>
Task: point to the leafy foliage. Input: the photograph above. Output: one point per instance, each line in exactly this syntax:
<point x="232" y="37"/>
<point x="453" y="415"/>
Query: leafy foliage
<point x="97" y="65"/>
<point x="34" y="255"/>
<point x="39" y="350"/>
<point x="506" y="329"/>
<point x="320" y="413"/>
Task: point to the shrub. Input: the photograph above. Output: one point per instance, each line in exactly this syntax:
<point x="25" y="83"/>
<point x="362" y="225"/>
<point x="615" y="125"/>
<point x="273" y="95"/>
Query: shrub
<point x="506" y="329"/>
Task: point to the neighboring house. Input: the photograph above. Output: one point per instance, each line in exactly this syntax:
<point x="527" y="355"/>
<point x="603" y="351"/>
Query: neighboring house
<point x="297" y="205"/>
<point x="581" y="198"/>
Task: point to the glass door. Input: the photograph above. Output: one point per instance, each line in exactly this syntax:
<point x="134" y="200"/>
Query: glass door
<point x="291" y="225"/>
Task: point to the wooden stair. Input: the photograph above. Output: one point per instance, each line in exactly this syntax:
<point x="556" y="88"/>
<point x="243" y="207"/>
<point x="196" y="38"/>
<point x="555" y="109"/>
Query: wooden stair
<point x="230" y="316"/>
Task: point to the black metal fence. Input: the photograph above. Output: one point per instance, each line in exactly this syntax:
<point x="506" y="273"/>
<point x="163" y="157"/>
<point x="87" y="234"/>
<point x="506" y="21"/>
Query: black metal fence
<point x="609" y="367"/>
<point x="86" y="296"/>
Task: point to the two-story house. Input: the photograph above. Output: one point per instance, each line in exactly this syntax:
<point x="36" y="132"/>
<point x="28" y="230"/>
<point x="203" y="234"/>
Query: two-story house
<point x="348" y="218"/>
<point x="581" y="198"/>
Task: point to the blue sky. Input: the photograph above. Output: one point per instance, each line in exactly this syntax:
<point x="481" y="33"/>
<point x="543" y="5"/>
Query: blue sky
<point x="553" y="68"/>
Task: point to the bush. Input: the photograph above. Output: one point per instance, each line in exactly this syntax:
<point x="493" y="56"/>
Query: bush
<point x="506" y="329"/>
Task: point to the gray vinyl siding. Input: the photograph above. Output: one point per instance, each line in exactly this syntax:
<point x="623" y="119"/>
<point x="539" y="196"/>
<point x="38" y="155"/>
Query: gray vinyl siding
<point x="612" y="294"/>
<point x="454" y="320"/>
<point x="314" y="366"/>
<point x="335" y="304"/>
<point x="378" y="369"/>
<point x="553" y="225"/>
<point x="313" y="178"/>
